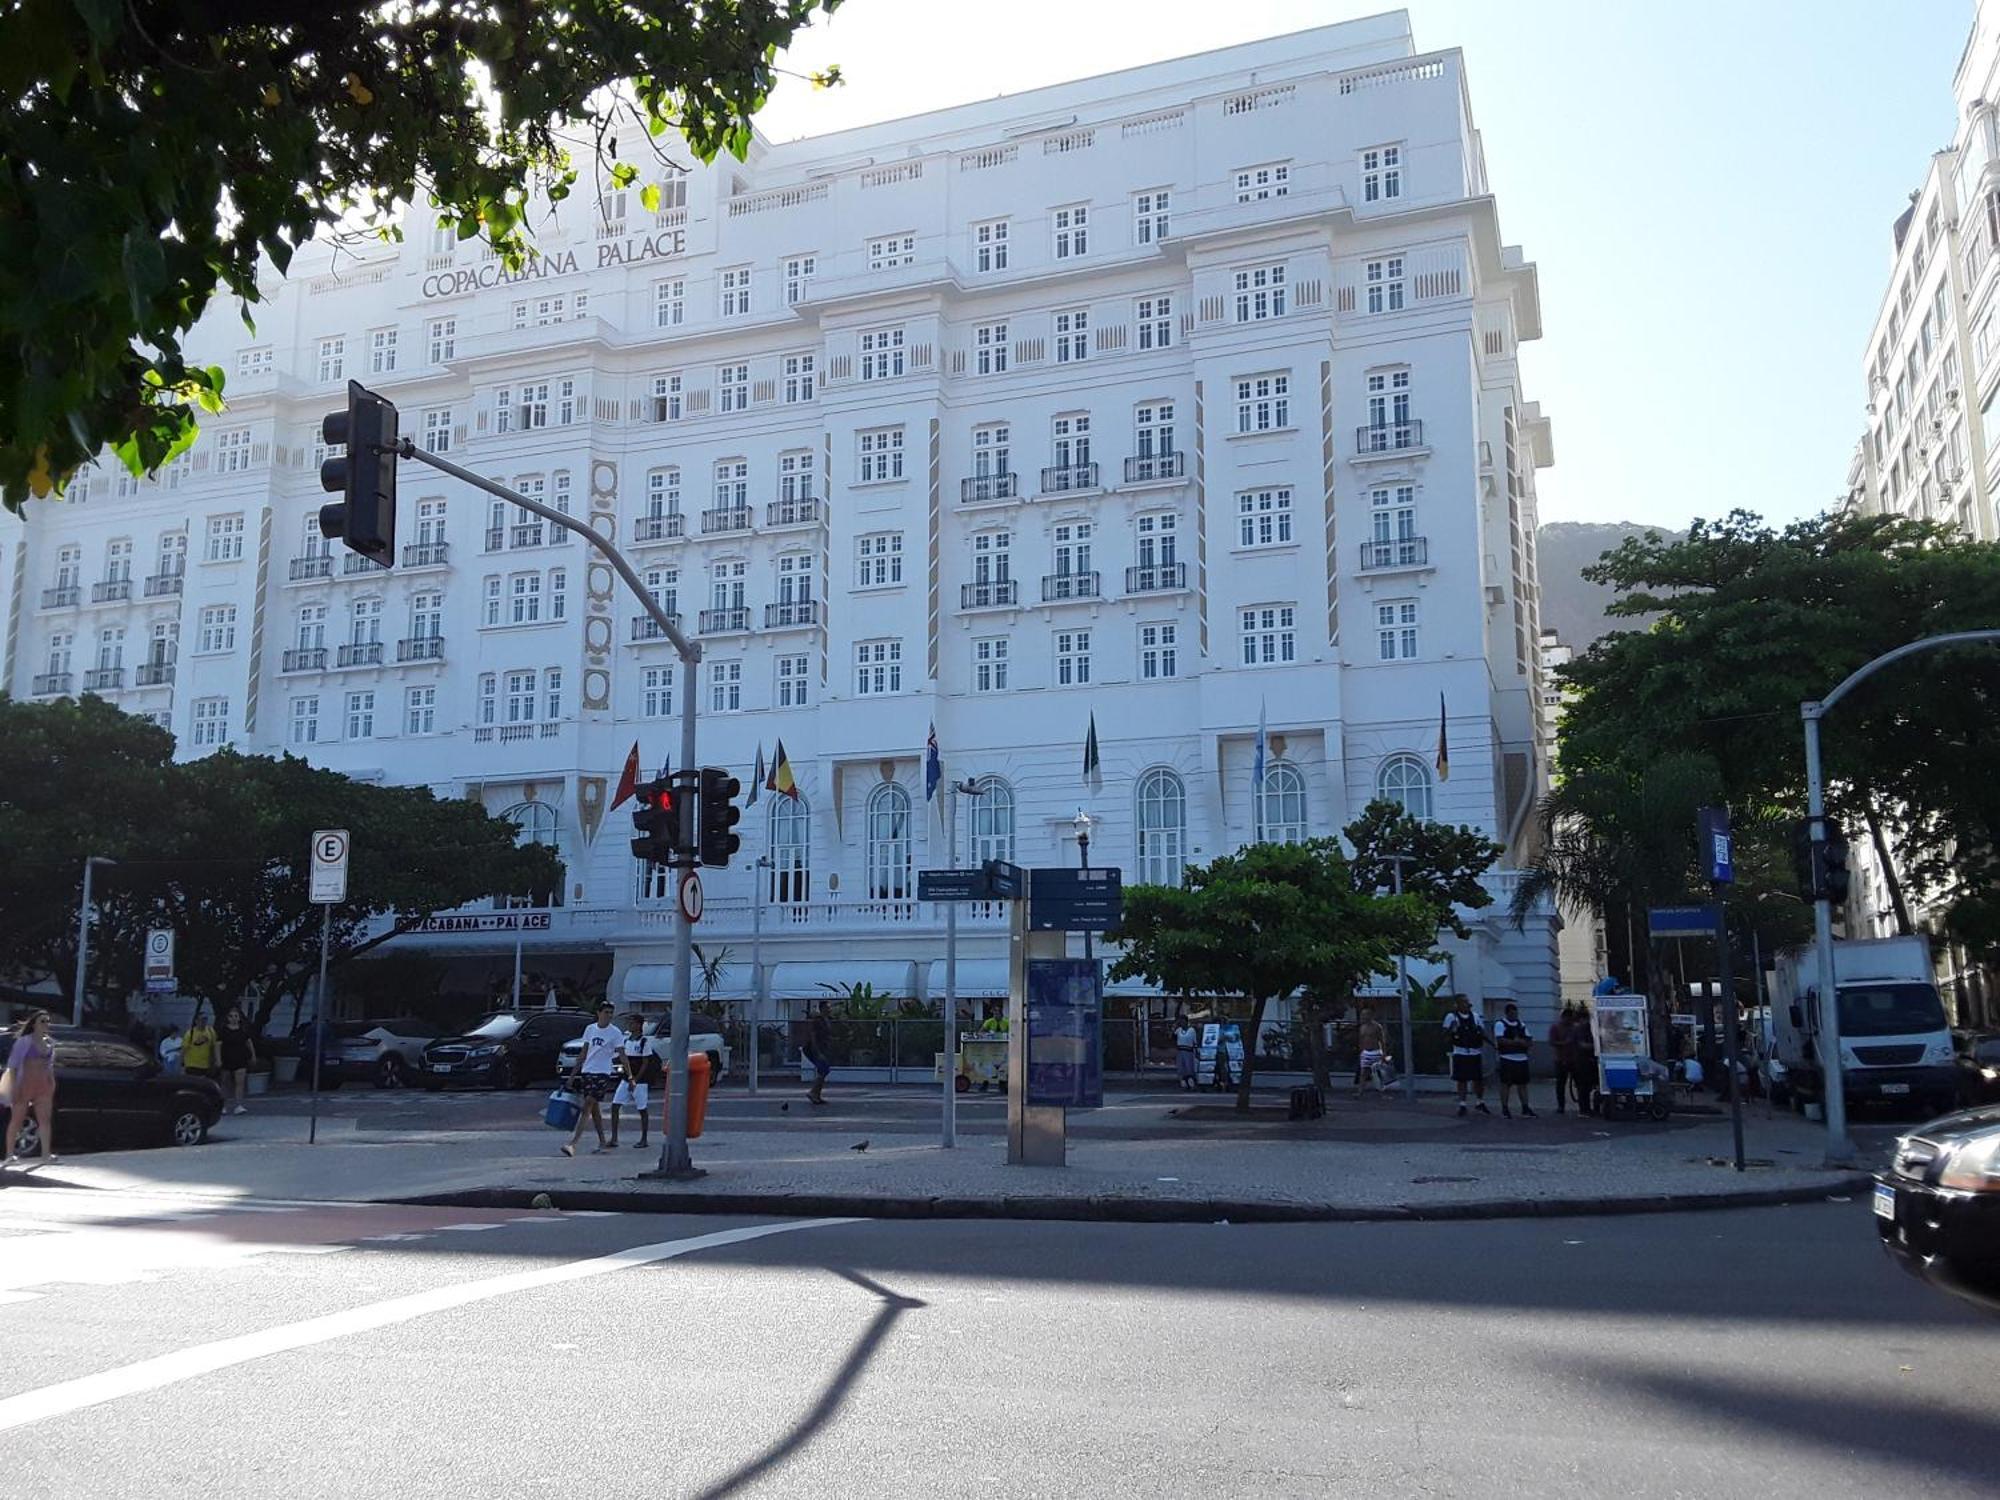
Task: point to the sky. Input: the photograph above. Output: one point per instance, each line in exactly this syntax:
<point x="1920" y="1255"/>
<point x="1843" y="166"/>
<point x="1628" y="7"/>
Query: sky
<point x="1707" y="189"/>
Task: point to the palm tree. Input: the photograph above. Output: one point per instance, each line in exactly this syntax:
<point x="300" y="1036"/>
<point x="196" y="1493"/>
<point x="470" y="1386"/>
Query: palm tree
<point x="709" y="971"/>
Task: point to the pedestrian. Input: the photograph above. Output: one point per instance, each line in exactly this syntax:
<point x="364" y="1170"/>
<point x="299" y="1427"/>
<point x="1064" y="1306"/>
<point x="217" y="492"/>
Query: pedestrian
<point x="198" y="1045"/>
<point x="238" y="1050"/>
<point x="1583" y="1070"/>
<point x="819" y="1051"/>
<point x="1468" y="1053"/>
<point x="1510" y="1040"/>
<point x="598" y="1067"/>
<point x="1185" y="1039"/>
<point x="29" y="1085"/>
<point x="170" y="1052"/>
<point x="1562" y="1042"/>
<point x="636" y="1056"/>
<point x="1373" y="1059"/>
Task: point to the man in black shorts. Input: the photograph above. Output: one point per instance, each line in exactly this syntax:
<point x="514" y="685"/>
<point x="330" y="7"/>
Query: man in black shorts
<point x="1510" y="1040"/>
<point x="1468" y="1053"/>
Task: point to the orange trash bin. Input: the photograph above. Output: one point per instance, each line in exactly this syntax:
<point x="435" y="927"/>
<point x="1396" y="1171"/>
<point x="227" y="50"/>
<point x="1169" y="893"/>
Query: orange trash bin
<point x="697" y="1094"/>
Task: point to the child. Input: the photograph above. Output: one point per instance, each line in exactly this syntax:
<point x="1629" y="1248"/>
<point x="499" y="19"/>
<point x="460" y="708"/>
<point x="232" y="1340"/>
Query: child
<point x="637" y="1058"/>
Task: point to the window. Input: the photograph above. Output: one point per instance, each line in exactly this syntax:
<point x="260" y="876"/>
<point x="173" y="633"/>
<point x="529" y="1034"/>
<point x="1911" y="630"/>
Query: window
<point x="1072" y="548"/>
<point x="1149" y="216"/>
<point x="1393" y="525"/>
<point x="558" y="593"/>
<point x="1264" y="517"/>
<point x="992" y="552"/>
<point x="1070" y="441"/>
<point x="1381" y="173"/>
<point x="735" y="292"/>
<point x="1157" y="652"/>
<point x="791" y="850"/>
<point x="881" y="353"/>
<point x="656" y="693"/>
<point x="881" y="455"/>
<point x="669" y="303"/>
<point x="1396" y="630"/>
<point x="1155" y="318"/>
<point x="543" y="311"/>
<point x="1385" y="284"/>
<point x="490" y="605"/>
<point x="420" y="710"/>
<point x="1389" y="399"/>
<point x="1406" y="781"/>
<point x="366" y="622"/>
<point x="989" y="349"/>
<point x="322" y="451"/>
<point x="878" y="667"/>
<point x="795" y="476"/>
<point x="1072" y="335"/>
<point x="799" y="377"/>
<point x="725" y="686"/>
<point x="174" y="552"/>
<point x="437" y="430"/>
<point x="732" y="484"/>
<point x="60" y="645"/>
<point x="1281" y="810"/>
<point x="1260" y="293"/>
<point x="799" y="271"/>
<point x="304" y="729"/>
<point x="795" y="574"/>
<point x="382" y="351"/>
<point x="1072" y="231"/>
<point x="732" y="387"/>
<point x="1153" y="429"/>
<point x="217" y="631"/>
<point x="666" y="398"/>
<point x="1072" y="657"/>
<point x="992" y="819"/>
<point x="361" y="715"/>
<point x="312" y="627"/>
<point x="525" y="591"/>
<point x="332" y="360"/>
<point x="664" y="584"/>
<point x="232" y="451"/>
<point x="118" y="560"/>
<point x="989" y="665"/>
<point x="69" y="566"/>
<point x="891" y="251"/>
<point x="1264" y="403"/>
<point x="1162" y="827"/>
<point x="989" y="245"/>
<point x="520" y="697"/>
<point x="225" y="539"/>
<point x="211" y="722"/>
<point x="1272" y="180"/>
<point x="991" y="451"/>
<point x="1268" y="635"/>
<point x="426" y="616"/>
<point x="489" y="692"/>
<point x="430" y="522"/>
<point x="889" y="843"/>
<point x="111" y="648"/>
<point x="792" y="682"/>
<point x="442" y="337"/>
<point x="552" y="704"/>
<point x="878" y="559"/>
<point x="663" y="493"/>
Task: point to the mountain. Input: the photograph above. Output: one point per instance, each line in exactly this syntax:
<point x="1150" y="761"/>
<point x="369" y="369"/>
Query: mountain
<point x="1571" y="607"/>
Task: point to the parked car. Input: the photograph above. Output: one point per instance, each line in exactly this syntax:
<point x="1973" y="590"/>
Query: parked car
<point x="386" y="1053"/>
<point x="508" y="1049"/>
<point x="704" y="1035"/>
<point x="109" y="1092"/>
<point x="1937" y="1206"/>
<point x="1978" y="1067"/>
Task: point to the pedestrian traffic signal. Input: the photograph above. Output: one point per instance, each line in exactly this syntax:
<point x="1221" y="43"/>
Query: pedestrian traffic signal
<point x="657" y="820"/>
<point x="1834" y="876"/>
<point x="364" y="477"/>
<point x="719" y="816"/>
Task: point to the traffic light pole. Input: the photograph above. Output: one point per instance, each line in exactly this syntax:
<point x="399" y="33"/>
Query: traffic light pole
<point x="674" y="1159"/>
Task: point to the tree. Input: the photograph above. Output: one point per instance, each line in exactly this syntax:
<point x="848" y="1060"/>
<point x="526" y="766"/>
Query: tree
<point x="158" y="151"/>
<point x="1268" y="921"/>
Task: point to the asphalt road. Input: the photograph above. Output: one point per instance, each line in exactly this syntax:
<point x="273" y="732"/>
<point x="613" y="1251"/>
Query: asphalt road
<point x="157" y="1348"/>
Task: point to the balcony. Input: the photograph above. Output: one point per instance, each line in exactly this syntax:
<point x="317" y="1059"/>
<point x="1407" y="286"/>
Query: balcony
<point x="723" y="621"/>
<point x="51" y="684"/>
<point x="725" y="518"/>
<point x="990" y="594"/>
<point x="154" y="674"/>
<point x="794" y="614"/>
<point x="527" y="534"/>
<point x="103" y="679"/>
<point x="1057" y="587"/>
<point x="420" y="648"/>
<point x="1155" y="468"/>
<point x="354" y="564"/>
<point x="61" y="597"/>
<point x="988" y="487"/>
<point x="1388" y="438"/>
<point x="646" y="628"/>
<point x="1066" y="479"/>
<point x="659" y="528"/>
<point x="509" y="733"/>
<point x="1156" y="578"/>
<point x="160" y="585"/>
<point x="312" y="565"/>
<point x="111" y="591"/>
<point x="426" y="554"/>
<point x="1401" y="552"/>
<point x="303" y="659"/>
<point x="804" y="510"/>
<point x="360" y="654"/>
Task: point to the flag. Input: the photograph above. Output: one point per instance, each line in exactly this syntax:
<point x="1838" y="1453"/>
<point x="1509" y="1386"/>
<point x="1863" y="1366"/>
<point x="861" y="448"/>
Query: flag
<point x="933" y="766"/>
<point x="1263" y="743"/>
<point x="756" y="777"/>
<point x="1093" y="771"/>
<point x="628" y="779"/>
<point x="781" y="780"/>
<point x="1444" y="751"/>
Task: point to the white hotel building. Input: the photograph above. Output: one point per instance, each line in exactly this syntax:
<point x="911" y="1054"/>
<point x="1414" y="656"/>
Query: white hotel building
<point x="1184" y="396"/>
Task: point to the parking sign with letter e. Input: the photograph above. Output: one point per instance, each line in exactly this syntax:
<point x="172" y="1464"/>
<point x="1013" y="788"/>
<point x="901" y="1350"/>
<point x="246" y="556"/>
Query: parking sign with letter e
<point x="328" y="884"/>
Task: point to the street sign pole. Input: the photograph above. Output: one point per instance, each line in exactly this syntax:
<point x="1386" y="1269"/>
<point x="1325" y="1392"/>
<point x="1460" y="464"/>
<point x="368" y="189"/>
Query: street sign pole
<point x="948" y="1126"/>
<point x="327" y="888"/>
<point x="319" y="1018"/>
<point x="1720" y="856"/>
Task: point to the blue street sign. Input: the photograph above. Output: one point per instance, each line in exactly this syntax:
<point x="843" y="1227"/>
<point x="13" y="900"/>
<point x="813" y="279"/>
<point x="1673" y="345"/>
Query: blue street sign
<point x="1683" y="921"/>
<point x="1065" y="1011"/>
<point x="1063" y="900"/>
<point x="1716" y="845"/>
<point x="954" y="885"/>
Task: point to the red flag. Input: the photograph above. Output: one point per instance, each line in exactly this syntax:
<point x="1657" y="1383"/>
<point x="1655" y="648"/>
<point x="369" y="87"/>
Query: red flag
<point x="628" y="779"/>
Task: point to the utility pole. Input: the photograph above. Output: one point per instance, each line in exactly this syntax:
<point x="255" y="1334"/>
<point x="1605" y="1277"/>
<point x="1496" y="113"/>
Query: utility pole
<point x="948" y="1137"/>
<point x="757" y="877"/>
<point x="83" y="935"/>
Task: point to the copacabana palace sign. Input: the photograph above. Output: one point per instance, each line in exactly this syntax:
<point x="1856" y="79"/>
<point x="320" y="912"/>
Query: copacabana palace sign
<point x="631" y="250"/>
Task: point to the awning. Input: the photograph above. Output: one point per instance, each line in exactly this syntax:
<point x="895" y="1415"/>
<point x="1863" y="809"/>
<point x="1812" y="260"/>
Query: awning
<point x="653" y="984"/>
<point x="978" y="979"/>
<point x="892" y="978"/>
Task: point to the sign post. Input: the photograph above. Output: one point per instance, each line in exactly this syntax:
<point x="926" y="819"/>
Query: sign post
<point x="1717" y="850"/>
<point x="327" y="888"/>
<point x="160" y="961"/>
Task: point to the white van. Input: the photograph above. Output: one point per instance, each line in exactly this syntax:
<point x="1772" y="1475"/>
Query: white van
<point x="1894" y="1042"/>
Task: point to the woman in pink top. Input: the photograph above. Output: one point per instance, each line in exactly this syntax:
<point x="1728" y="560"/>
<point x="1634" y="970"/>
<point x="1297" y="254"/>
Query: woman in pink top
<point x="31" y="1084"/>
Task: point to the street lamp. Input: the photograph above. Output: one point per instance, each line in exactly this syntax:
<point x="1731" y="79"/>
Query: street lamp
<point x="83" y="933"/>
<point x="948" y="1129"/>
<point x="757" y="868"/>
<point x="1083" y="822"/>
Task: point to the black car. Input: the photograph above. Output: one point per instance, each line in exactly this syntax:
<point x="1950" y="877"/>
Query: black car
<point x="1937" y="1207"/>
<point x="509" y="1049"/>
<point x="108" y="1092"/>
<point x="1978" y="1068"/>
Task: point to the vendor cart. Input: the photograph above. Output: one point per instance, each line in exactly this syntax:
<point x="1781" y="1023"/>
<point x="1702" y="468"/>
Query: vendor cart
<point x="1626" y="1072"/>
<point x="982" y="1062"/>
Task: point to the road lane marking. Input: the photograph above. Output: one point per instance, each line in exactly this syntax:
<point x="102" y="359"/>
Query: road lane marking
<point x="203" y="1359"/>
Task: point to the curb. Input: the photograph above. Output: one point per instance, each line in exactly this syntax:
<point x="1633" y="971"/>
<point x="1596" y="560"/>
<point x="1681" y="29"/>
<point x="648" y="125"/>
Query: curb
<point x="1109" y="1209"/>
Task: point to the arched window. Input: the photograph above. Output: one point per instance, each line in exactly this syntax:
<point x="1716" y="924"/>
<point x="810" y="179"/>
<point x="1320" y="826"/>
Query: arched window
<point x="1282" y="817"/>
<point x="992" y="816"/>
<point x="889" y="843"/>
<point x="1406" y="781"/>
<point x="791" y="850"/>
<point x="1162" y="825"/>
<point x="538" y="824"/>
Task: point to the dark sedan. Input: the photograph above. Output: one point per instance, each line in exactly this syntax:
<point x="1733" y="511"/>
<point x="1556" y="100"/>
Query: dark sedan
<point x="1937" y="1207"/>
<point x="108" y="1092"/>
<point x="1978" y="1069"/>
<point x="509" y="1049"/>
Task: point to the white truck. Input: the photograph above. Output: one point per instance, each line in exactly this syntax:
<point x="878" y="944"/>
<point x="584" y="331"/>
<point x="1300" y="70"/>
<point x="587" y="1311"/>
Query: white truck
<point x="1895" y="1045"/>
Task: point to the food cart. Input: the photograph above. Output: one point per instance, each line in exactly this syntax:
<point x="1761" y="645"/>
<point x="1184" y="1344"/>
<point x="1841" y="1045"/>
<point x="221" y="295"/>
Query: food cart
<point x="982" y="1061"/>
<point x="1626" y="1071"/>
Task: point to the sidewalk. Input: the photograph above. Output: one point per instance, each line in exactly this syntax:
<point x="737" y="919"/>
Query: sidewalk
<point x="1382" y="1160"/>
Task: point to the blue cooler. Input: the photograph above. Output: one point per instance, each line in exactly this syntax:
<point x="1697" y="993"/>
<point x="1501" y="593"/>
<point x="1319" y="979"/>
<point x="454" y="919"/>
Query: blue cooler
<point x="563" y="1111"/>
<point x="1621" y="1077"/>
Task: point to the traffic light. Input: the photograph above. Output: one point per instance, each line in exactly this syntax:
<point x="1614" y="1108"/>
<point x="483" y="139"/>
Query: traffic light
<point x="365" y="477"/>
<point x="719" y="816"/>
<point x="657" y="819"/>
<point x="1832" y="870"/>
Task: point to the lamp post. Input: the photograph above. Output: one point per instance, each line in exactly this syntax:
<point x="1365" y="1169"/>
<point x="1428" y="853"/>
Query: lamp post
<point x="1083" y="822"/>
<point x="948" y="1137"/>
<point x="757" y="869"/>
<point x="83" y="934"/>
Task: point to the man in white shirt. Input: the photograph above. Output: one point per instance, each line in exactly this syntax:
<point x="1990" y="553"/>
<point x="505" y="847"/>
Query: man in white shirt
<point x="598" y="1068"/>
<point x="635" y="1056"/>
<point x="1468" y="1053"/>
